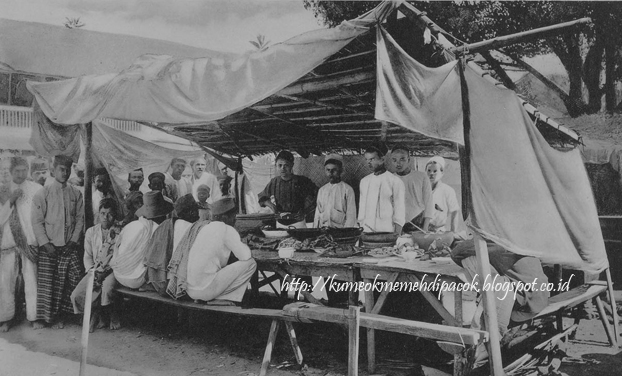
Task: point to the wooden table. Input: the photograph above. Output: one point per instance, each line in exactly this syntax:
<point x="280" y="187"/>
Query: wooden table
<point x="394" y="270"/>
<point x="308" y="264"/>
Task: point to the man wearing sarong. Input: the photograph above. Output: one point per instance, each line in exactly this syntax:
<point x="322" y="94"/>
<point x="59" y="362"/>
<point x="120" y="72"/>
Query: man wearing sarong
<point x="99" y="243"/>
<point x="418" y="191"/>
<point x="291" y="197"/>
<point x="58" y="222"/>
<point x="336" y="205"/>
<point x="164" y="240"/>
<point x="129" y="251"/>
<point x="176" y="185"/>
<point x="18" y="244"/>
<point x="381" y="205"/>
<point x="199" y="265"/>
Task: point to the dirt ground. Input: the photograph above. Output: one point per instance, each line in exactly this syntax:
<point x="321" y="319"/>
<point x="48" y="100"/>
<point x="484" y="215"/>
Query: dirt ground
<point x="152" y="343"/>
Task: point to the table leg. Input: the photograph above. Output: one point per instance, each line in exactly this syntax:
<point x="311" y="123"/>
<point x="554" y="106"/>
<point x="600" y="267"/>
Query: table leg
<point x="371" y="333"/>
<point x="292" y="339"/>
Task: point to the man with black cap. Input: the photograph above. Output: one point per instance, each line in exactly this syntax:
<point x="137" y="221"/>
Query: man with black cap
<point x="58" y="221"/>
<point x="129" y="251"/>
<point x="336" y="205"/>
<point x="205" y="273"/>
<point x="39" y="170"/>
<point x="291" y="197"/>
<point x="164" y="240"/>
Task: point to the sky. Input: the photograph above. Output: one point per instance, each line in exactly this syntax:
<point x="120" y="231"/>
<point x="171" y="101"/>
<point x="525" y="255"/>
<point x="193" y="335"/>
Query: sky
<point x="222" y="25"/>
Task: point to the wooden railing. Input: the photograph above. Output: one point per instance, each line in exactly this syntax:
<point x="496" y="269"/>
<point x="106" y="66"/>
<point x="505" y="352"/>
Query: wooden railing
<point x="18" y="117"/>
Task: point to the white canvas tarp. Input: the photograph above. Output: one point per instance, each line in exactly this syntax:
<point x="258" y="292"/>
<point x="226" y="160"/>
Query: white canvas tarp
<point x="167" y="89"/>
<point x="527" y="197"/>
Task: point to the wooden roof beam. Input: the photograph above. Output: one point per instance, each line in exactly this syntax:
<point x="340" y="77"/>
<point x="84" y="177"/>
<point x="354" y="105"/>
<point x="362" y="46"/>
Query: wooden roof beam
<point x="328" y="83"/>
<point x="521" y="37"/>
<point x="322" y="104"/>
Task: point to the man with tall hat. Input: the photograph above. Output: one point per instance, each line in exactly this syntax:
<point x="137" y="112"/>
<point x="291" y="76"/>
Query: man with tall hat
<point x="129" y="252"/>
<point x="164" y="240"/>
<point x="381" y="205"/>
<point x="336" y="205"/>
<point x="199" y="264"/>
<point x="291" y="197"/>
<point x="58" y="221"/>
<point x="18" y="245"/>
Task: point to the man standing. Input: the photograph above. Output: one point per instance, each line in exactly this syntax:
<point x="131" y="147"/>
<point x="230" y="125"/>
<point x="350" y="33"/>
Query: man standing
<point x="176" y="185"/>
<point x="102" y="188"/>
<point x="381" y="206"/>
<point x="39" y="171"/>
<point x="201" y="177"/>
<point x="58" y="222"/>
<point x="136" y="179"/>
<point x="156" y="183"/>
<point x="336" y="205"/>
<point x="418" y="191"/>
<point x="291" y="197"/>
<point x="200" y="260"/>
<point x="18" y="245"/>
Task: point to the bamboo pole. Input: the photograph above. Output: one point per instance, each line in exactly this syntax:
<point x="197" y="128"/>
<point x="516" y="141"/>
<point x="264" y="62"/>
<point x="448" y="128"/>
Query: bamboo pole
<point x="481" y="250"/>
<point x="521" y="37"/>
<point x="89" y="213"/>
<point x="614" y="310"/>
<point x="496" y="66"/>
<point x="86" y="321"/>
<point x="329" y="83"/>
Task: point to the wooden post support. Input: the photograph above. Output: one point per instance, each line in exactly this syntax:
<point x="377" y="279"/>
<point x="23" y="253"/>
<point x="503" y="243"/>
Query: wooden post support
<point x="354" y="320"/>
<point x="265" y="364"/>
<point x="89" y="215"/>
<point x="86" y="321"/>
<point x="603" y="318"/>
<point x="371" y="333"/>
<point x="490" y="309"/>
<point x="612" y="302"/>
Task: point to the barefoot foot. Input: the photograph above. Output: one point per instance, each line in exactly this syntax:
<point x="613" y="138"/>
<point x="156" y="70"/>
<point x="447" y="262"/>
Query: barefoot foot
<point x="60" y="324"/>
<point x="38" y="324"/>
<point x="4" y="327"/>
<point x="115" y="321"/>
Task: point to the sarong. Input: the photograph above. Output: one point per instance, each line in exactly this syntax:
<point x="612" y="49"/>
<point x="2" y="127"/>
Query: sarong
<point x="58" y="276"/>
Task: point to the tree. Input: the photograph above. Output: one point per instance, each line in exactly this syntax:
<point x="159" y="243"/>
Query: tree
<point x="261" y="43"/>
<point x="584" y="53"/>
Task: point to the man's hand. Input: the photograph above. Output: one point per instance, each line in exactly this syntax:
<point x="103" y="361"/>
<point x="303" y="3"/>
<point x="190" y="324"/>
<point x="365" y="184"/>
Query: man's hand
<point x="15" y="195"/>
<point x="71" y="246"/>
<point x="270" y="205"/>
<point x="49" y="249"/>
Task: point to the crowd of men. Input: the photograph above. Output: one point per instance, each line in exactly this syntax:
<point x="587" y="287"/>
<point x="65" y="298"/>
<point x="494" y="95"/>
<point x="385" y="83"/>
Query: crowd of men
<point x="178" y="238"/>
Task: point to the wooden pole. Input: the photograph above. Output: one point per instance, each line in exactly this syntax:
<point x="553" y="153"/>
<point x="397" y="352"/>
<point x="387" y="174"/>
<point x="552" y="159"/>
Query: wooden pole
<point x="88" y="177"/>
<point x="86" y="321"/>
<point x="481" y="250"/>
<point x="612" y="302"/>
<point x="354" y="321"/>
<point x="521" y="37"/>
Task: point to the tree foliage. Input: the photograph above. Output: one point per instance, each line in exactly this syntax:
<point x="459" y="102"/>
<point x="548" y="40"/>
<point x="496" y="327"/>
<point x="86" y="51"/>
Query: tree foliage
<point x="589" y="54"/>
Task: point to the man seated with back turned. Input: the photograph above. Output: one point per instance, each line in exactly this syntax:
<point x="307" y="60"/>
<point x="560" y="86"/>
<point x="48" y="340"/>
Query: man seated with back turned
<point x="129" y="252"/>
<point x="199" y="265"/>
<point x="164" y="240"/>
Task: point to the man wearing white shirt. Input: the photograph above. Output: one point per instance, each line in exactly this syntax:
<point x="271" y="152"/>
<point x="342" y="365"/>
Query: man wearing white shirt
<point x="18" y="242"/>
<point x="336" y="205"/>
<point x="382" y="207"/>
<point x="176" y="185"/>
<point x="202" y="177"/>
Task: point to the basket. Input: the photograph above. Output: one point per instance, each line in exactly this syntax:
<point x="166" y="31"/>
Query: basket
<point x="379" y="237"/>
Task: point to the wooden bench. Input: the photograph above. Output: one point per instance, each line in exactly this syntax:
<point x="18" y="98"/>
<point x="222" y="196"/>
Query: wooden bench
<point x="277" y="316"/>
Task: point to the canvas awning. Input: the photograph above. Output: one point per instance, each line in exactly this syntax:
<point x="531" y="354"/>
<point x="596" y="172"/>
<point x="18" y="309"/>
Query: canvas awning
<point x="527" y="196"/>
